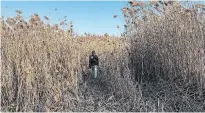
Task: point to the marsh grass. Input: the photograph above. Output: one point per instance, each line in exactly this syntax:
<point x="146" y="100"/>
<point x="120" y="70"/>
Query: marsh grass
<point x="158" y="67"/>
<point x="168" y="52"/>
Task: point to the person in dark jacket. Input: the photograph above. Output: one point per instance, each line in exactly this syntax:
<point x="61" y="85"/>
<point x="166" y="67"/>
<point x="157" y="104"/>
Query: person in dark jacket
<point x="93" y="60"/>
<point x="93" y="63"/>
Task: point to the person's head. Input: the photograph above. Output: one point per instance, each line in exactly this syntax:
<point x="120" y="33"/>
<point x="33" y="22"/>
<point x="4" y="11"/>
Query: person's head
<point x="93" y="52"/>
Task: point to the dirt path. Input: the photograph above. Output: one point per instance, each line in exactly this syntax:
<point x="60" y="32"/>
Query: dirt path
<point x="95" y="92"/>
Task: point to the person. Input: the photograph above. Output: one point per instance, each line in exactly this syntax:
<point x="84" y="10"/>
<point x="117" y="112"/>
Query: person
<point x="93" y="63"/>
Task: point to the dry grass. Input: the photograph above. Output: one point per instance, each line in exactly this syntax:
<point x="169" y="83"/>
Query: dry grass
<point x="42" y="68"/>
<point x="161" y="69"/>
<point x="168" y="49"/>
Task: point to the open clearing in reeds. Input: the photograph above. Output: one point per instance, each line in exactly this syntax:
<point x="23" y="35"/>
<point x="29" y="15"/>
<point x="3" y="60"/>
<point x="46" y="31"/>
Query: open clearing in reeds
<point x="158" y="65"/>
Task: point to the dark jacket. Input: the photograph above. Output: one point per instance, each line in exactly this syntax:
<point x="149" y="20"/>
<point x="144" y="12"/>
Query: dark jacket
<point x="93" y="60"/>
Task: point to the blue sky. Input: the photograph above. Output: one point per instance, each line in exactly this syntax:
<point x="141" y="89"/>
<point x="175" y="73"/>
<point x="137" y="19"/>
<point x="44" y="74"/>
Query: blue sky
<point x="87" y="16"/>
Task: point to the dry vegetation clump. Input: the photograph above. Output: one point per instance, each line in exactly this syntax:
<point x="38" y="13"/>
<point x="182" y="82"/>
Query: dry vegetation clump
<point x="168" y="53"/>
